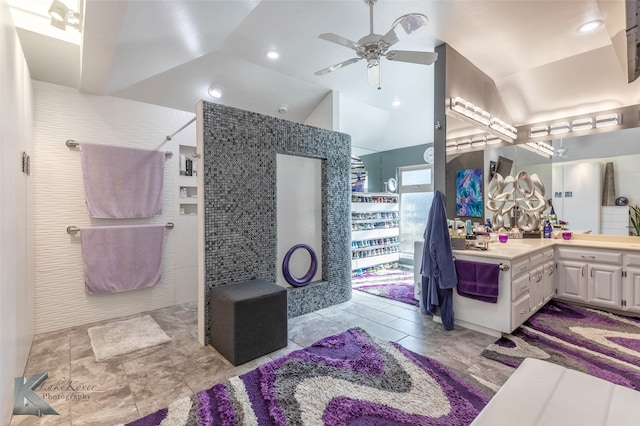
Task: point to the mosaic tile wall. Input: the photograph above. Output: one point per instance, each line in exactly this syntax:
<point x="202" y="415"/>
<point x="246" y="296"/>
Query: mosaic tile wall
<point x="239" y="165"/>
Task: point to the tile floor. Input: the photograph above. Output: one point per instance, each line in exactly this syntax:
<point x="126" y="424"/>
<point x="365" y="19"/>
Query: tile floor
<point x="127" y="387"/>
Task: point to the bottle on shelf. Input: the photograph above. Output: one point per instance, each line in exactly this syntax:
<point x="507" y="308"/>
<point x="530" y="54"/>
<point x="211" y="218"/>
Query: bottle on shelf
<point x="548" y="229"/>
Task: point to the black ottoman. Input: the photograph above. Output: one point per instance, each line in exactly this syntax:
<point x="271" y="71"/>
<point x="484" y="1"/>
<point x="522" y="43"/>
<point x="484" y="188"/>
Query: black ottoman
<point x="248" y="320"/>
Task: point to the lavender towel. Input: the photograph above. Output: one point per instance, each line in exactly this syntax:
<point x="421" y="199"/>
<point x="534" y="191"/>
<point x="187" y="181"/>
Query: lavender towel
<point x="121" y="258"/>
<point x="478" y="280"/>
<point x="122" y="182"/>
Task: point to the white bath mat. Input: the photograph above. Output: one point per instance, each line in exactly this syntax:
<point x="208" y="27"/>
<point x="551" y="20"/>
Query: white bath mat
<point x="123" y="337"/>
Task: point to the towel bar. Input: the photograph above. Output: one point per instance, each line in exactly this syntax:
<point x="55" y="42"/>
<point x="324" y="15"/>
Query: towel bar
<point x="74" y="229"/>
<point x="503" y="267"/>
<point x="73" y="144"/>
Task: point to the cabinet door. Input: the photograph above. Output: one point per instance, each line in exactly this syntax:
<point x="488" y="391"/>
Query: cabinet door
<point x="631" y="289"/>
<point x="536" y="289"/>
<point x="571" y="280"/>
<point x="604" y="285"/>
<point x="548" y="281"/>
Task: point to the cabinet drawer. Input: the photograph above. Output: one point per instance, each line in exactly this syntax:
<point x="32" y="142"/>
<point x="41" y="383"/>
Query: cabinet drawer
<point x="519" y="266"/>
<point x="587" y="255"/>
<point x="632" y="260"/>
<point x="520" y="311"/>
<point x="536" y="259"/>
<point x="519" y="286"/>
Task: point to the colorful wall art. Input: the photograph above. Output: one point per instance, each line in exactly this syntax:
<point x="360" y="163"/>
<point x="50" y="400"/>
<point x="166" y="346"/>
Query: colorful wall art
<point x="469" y="193"/>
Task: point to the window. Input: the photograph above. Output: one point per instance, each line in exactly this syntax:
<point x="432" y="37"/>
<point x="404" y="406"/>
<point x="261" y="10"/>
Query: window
<point x="416" y="194"/>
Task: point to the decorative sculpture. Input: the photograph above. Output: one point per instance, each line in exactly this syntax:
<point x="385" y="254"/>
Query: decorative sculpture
<point x="524" y="191"/>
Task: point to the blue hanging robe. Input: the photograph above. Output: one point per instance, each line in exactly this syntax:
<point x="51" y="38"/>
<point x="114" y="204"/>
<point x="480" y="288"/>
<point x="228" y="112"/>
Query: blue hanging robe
<point x="438" y="269"/>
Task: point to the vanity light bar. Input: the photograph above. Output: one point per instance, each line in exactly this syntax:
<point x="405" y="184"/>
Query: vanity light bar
<point x="478" y="141"/>
<point x="481" y="116"/>
<point x="542" y="147"/>
<point x="503" y="128"/>
<point x="492" y="140"/>
<point x="607" y="120"/>
<point x="559" y="128"/>
<point x="538" y="132"/>
<point x="577" y="125"/>
<point x="580" y="124"/>
<point x="464" y="144"/>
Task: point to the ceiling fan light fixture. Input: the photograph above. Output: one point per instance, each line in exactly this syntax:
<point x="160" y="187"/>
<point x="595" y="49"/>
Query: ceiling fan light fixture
<point x="410" y="22"/>
<point x="374" y="46"/>
<point x="590" y="26"/>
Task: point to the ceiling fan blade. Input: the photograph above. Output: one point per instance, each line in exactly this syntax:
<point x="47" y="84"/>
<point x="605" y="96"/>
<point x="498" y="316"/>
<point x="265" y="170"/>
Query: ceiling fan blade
<point x="373" y="72"/>
<point x="337" y="66"/>
<point x="403" y="26"/>
<point x="334" y="38"/>
<point x="424" y="58"/>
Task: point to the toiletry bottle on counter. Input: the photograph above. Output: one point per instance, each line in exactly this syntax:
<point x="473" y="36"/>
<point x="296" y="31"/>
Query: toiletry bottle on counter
<point x="547" y="230"/>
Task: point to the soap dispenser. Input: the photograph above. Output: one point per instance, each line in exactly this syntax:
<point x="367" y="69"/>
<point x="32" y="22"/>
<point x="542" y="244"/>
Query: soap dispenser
<point x="548" y="229"/>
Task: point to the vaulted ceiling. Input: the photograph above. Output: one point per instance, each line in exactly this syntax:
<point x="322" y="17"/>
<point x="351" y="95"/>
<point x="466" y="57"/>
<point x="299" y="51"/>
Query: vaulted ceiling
<point x="169" y="52"/>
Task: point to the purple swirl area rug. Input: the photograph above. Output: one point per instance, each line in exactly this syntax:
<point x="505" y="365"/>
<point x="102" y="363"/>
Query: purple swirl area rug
<point x="348" y="379"/>
<point x="392" y="284"/>
<point x="595" y="342"/>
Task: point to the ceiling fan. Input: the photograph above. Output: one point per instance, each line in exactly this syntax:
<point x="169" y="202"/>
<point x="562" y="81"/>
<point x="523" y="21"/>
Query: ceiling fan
<point x="374" y="46"/>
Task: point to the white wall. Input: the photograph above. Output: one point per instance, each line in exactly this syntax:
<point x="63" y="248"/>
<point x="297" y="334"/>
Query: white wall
<point x="63" y="113"/>
<point x="16" y="207"/>
<point x="299" y="208"/>
<point x="326" y="115"/>
<point x="584" y="181"/>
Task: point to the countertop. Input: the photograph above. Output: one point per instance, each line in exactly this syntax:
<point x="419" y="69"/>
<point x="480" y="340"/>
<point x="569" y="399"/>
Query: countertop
<point x="515" y="248"/>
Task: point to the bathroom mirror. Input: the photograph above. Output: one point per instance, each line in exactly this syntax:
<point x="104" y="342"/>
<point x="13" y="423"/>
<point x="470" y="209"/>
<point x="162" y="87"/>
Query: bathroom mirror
<point x="577" y="160"/>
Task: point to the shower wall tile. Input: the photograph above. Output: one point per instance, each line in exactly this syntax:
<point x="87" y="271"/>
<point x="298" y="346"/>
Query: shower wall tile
<point x="62" y="113"/>
<point x="240" y="193"/>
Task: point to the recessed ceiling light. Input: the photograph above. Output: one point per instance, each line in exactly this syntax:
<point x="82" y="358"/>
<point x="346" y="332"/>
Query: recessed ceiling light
<point x="272" y="54"/>
<point x="589" y="26"/>
<point x="395" y="103"/>
<point x="216" y="92"/>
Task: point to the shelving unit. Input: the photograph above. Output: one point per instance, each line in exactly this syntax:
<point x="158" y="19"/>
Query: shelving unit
<point x="188" y="191"/>
<point x="186" y="227"/>
<point x="374" y="230"/>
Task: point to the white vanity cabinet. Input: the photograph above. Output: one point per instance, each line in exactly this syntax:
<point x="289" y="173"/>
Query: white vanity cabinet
<point x="539" y="282"/>
<point x="631" y="282"/>
<point x="526" y="284"/>
<point x="590" y="276"/>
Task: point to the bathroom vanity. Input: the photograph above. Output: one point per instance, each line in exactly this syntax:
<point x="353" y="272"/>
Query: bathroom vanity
<point x="598" y="271"/>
